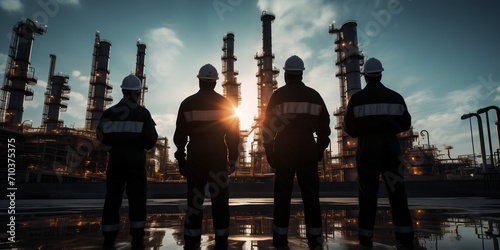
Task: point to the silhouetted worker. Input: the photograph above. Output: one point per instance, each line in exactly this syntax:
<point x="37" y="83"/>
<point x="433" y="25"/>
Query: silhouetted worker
<point x="129" y="130"/>
<point x="295" y="112"/>
<point x="209" y="120"/>
<point x="375" y="115"/>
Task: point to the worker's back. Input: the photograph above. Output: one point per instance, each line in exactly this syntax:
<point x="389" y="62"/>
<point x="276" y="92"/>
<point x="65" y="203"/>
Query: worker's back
<point x="127" y="125"/>
<point x="206" y="118"/>
<point x="297" y="107"/>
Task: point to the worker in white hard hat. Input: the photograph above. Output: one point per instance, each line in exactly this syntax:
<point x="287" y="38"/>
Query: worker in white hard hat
<point x="129" y="130"/>
<point x="294" y="114"/>
<point x="375" y="115"/>
<point x="209" y="120"/>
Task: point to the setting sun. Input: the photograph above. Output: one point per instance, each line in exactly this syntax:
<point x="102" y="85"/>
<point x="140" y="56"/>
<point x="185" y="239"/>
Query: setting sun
<point x="237" y="112"/>
<point x="246" y="115"/>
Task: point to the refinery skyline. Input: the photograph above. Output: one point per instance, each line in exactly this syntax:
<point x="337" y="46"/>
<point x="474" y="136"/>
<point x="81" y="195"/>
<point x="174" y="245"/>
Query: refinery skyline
<point x="443" y="65"/>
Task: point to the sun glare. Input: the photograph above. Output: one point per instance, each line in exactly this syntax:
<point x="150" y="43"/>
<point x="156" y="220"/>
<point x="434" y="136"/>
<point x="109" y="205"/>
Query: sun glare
<point x="237" y="112"/>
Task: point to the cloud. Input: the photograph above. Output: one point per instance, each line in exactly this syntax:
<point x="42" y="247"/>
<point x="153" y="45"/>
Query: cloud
<point x="297" y="22"/>
<point x="42" y="84"/>
<point x="440" y="127"/>
<point x="164" y="121"/>
<point x="440" y="113"/>
<point x="77" y="106"/>
<point x="423" y="103"/>
<point x="78" y="98"/>
<point x="418" y="98"/>
<point x="409" y="81"/>
<point x="78" y="75"/>
<point x="167" y="47"/>
<point x="11" y="5"/>
<point x="322" y="79"/>
<point x="465" y="100"/>
<point x="69" y="2"/>
<point x="165" y="74"/>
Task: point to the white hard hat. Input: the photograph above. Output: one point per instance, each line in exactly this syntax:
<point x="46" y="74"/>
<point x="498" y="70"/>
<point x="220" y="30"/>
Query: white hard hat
<point x="294" y="65"/>
<point x="131" y="82"/>
<point x="373" y="67"/>
<point x="208" y="72"/>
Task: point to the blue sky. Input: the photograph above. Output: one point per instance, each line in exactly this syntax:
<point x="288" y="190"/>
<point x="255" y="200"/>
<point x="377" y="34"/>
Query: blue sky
<point x="442" y="56"/>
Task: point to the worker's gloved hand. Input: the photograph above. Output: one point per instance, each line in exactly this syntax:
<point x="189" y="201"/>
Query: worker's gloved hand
<point x="231" y="167"/>
<point x="182" y="166"/>
<point x="270" y="158"/>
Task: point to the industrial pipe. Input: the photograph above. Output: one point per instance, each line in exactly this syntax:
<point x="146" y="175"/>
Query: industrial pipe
<point x="497" y="109"/>
<point x="492" y="160"/>
<point x="481" y="137"/>
<point x="428" y="141"/>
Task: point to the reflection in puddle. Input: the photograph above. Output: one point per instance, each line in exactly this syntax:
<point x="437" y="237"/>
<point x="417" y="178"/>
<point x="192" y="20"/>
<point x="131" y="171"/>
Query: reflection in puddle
<point x="251" y="228"/>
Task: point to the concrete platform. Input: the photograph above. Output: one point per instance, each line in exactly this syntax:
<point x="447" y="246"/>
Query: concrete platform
<point x="440" y="223"/>
<point x="93" y="190"/>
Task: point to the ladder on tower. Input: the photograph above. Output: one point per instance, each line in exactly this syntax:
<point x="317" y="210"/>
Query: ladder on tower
<point x="8" y="68"/>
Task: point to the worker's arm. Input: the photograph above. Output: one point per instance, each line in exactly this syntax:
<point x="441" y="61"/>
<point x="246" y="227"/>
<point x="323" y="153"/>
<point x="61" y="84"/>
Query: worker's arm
<point x="233" y="135"/>
<point x="405" y="119"/>
<point x="100" y="130"/>
<point x="323" y="132"/>
<point x="269" y="131"/>
<point x="350" y="125"/>
<point x="180" y="135"/>
<point x="149" y="131"/>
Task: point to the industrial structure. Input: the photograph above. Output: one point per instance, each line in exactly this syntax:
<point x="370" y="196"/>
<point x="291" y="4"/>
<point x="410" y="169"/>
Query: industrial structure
<point x="57" y="92"/>
<point x="99" y="89"/>
<point x="19" y="74"/>
<point x="267" y="84"/>
<point x="420" y="160"/>
<point x="349" y="62"/>
<point x="56" y="153"/>
<point x="232" y="88"/>
<point x="139" y="69"/>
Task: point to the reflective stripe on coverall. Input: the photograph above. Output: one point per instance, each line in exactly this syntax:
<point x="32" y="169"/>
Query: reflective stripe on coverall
<point x="294" y="114"/>
<point x="129" y="129"/>
<point x="375" y="115"/>
<point x="209" y="120"/>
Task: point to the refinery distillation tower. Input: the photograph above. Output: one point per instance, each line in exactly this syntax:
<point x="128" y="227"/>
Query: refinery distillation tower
<point x="18" y="73"/>
<point x="266" y="83"/>
<point x="54" y="152"/>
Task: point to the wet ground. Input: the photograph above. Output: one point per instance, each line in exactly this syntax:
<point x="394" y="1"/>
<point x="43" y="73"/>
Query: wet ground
<point x="440" y="223"/>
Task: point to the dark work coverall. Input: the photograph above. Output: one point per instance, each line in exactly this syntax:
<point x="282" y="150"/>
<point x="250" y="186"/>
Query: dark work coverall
<point x="129" y="129"/>
<point x="209" y="120"/>
<point x="375" y="115"/>
<point x="295" y="112"/>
